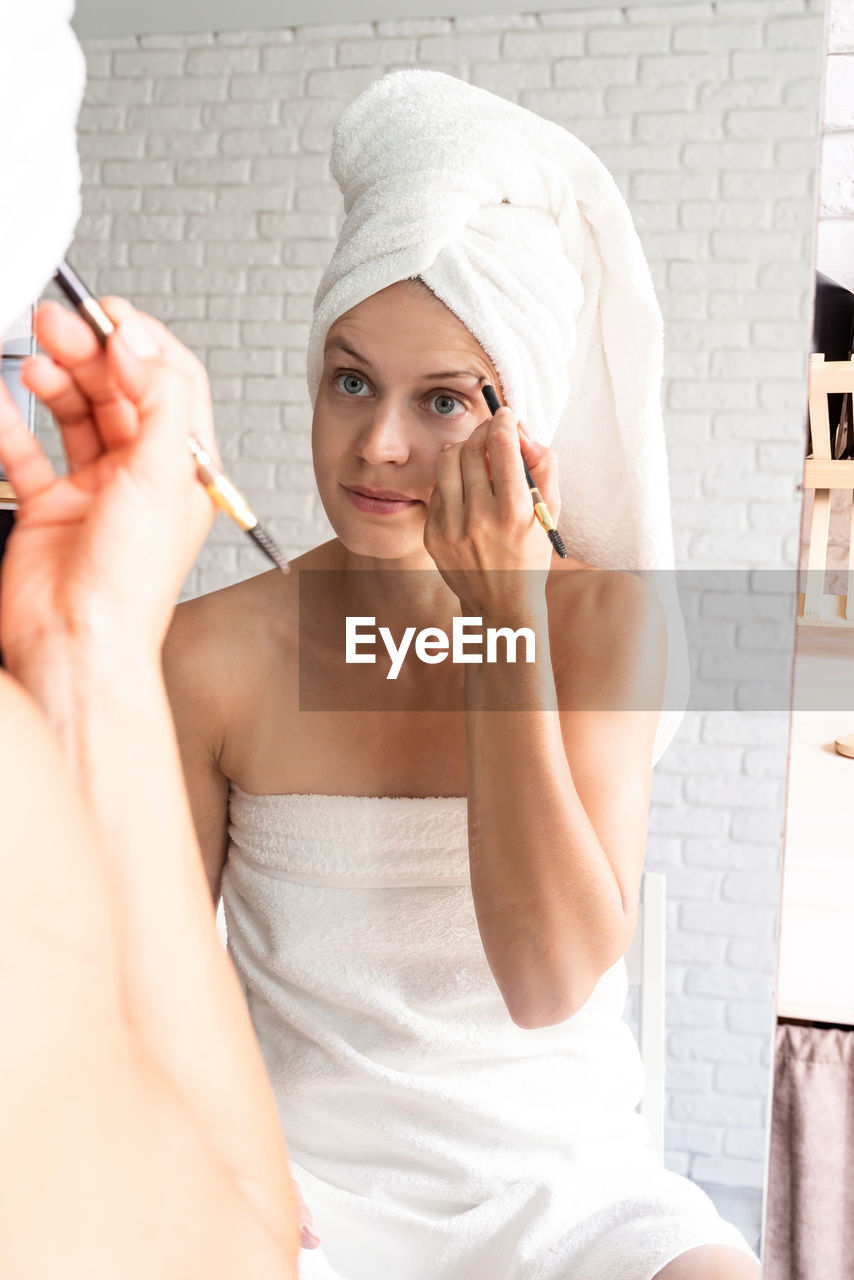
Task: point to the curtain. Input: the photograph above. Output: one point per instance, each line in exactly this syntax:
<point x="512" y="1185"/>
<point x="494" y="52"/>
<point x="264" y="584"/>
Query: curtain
<point x="809" y="1227"/>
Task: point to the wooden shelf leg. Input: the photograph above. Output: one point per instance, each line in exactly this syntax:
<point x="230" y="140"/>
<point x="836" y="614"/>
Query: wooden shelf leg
<point x="819" y="530"/>
<point x="849" y="598"/>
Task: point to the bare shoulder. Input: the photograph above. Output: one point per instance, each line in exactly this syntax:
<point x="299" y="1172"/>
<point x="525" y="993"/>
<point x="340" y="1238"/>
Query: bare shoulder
<point x="223" y="644"/>
<point x="242" y="621"/>
<point x="606" y="622"/>
<point x="210" y="627"/>
<point x="216" y="643"/>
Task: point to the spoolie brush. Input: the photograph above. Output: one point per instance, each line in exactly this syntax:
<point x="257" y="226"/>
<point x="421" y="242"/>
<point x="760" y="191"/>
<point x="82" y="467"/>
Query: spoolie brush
<point x="220" y="488"/>
<point x="232" y="502"/>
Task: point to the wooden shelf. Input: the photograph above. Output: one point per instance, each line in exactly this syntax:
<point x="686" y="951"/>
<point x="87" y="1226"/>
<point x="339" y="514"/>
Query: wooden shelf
<point x="831" y="612"/>
<point x="822" y="474"/>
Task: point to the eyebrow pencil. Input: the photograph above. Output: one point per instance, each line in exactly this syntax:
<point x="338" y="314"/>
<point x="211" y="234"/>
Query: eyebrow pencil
<point x="541" y="511"/>
<point x="222" y="491"/>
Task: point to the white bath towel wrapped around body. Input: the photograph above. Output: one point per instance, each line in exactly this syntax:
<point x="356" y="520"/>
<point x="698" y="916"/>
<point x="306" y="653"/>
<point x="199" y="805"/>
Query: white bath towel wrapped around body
<point x="431" y="1137"/>
<point x="522" y="232"/>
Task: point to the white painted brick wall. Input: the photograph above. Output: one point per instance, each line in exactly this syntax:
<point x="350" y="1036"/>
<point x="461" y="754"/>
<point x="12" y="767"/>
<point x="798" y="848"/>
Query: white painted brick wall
<point x="207" y="201"/>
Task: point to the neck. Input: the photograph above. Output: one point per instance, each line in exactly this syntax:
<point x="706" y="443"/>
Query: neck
<point x="408" y="591"/>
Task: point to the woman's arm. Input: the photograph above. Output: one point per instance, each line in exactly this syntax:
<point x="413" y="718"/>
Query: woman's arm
<point x="198" y="684"/>
<point x="89" y="577"/>
<point x="107" y="701"/>
<point x="558" y="801"/>
<point x="107" y="1171"/>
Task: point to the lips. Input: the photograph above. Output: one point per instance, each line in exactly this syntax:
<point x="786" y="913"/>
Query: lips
<point x="387" y="494"/>
<point x="380" y="502"/>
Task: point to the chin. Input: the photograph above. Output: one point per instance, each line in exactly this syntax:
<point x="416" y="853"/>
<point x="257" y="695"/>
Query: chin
<point x="376" y="538"/>
<point x="379" y="544"/>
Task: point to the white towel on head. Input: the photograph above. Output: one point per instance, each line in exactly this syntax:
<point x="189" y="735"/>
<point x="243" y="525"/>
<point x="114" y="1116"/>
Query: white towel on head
<point x="42" y="73"/>
<point x="523" y="234"/>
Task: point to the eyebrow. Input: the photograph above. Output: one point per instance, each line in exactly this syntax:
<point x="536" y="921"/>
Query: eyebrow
<point x="338" y="345"/>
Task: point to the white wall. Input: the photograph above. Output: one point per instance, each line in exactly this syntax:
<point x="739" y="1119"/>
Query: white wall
<point x="208" y="202"/>
<point x="95" y="18"/>
<point x="835" y="240"/>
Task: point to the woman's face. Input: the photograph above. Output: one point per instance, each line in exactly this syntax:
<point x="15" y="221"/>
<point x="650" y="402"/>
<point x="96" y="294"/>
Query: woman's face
<point x="401" y="379"/>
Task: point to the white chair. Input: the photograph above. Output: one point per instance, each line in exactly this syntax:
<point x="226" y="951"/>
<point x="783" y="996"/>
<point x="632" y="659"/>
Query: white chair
<point x="645" y="965"/>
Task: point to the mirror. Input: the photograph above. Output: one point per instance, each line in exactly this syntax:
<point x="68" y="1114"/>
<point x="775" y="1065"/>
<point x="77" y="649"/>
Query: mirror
<point x="809" y="1138"/>
<point x="208" y="202"/>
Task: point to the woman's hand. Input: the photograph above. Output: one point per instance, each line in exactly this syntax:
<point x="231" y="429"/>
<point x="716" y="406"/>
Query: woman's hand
<point x="481" y="521"/>
<point x="105" y="548"/>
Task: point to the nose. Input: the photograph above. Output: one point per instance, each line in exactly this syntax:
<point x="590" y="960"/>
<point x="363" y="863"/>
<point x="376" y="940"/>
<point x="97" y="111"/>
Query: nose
<point x="384" y="436"/>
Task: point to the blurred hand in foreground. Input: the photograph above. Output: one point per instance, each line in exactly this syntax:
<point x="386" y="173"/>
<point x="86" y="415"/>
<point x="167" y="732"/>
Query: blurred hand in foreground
<point x="106" y="547"/>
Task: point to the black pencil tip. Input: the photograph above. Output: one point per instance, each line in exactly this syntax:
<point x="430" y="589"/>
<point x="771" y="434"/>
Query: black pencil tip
<point x="493" y="403"/>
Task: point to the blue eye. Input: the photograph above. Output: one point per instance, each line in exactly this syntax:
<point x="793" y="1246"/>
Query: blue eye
<point x="351" y="384"/>
<point x="444" y="405"/>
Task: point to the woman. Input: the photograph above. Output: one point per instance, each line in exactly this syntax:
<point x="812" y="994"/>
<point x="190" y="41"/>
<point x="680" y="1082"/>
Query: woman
<point x="428" y="909"/>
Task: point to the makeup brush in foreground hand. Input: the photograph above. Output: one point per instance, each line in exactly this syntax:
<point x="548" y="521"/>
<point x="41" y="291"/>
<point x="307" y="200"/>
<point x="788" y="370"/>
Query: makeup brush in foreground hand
<point x="218" y="485"/>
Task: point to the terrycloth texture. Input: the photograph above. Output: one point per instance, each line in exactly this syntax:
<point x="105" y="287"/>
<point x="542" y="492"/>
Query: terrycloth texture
<point x="42" y="74"/>
<point x="431" y="1137"/>
<point x="522" y="232"/>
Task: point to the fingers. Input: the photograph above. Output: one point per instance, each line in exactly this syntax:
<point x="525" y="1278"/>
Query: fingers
<point x="99" y="397"/>
<point x="168" y="405"/>
<point x="475" y="465"/>
<point x="150" y="381"/>
<point x="461" y="479"/>
<point x="505" y="459"/>
<point x="55" y="387"/>
<point x="106" y="382"/>
<point x="147" y="337"/>
<point x="135" y="331"/>
<point x="486" y="473"/>
<point x="64" y="335"/>
<point x="542" y="464"/>
<point x="449" y="478"/>
<point x="483" y="471"/>
<point x="21" y="456"/>
<point x="73" y="346"/>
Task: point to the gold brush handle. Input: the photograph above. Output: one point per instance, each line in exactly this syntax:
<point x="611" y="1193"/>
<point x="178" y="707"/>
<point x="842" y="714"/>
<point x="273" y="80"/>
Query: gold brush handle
<point x="228" y="498"/>
<point x="541" y="511"/>
<point x="544" y="516"/>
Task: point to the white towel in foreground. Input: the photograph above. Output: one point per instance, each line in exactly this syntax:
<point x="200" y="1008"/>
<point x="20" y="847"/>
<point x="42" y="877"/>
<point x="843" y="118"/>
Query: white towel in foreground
<point x="42" y="74"/>
<point x="522" y="232"/>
